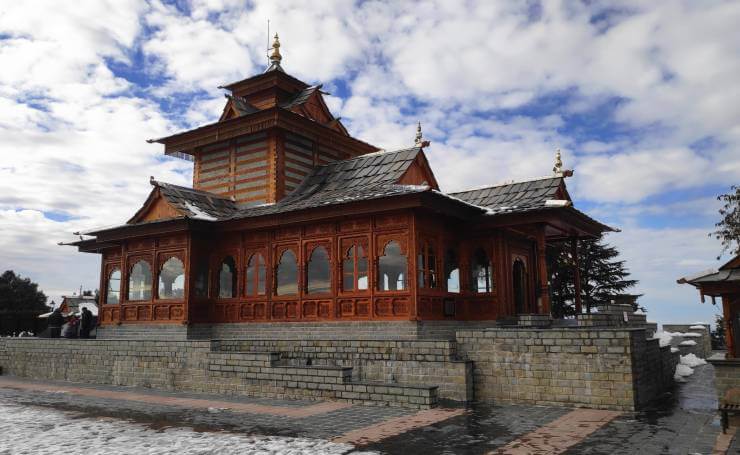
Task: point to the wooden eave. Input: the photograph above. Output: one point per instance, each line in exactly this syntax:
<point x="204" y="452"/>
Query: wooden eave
<point x="158" y="227"/>
<point x="718" y="289"/>
<point x="264" y="81"/>
<point x="564" y="222"/>
<point x="187" y="141"/>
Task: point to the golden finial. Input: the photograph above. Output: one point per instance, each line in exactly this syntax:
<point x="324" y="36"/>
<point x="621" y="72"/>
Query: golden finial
<point x="275" y="57"/>
<point x="558" y="169"/>
<point x="418" y="139"/>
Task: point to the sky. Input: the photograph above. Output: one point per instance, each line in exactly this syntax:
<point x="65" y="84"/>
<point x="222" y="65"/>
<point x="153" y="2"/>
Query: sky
<point x="642" y="98"/>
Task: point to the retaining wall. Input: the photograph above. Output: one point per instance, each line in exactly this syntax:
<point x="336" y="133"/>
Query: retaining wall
<point x="602" y="368"/>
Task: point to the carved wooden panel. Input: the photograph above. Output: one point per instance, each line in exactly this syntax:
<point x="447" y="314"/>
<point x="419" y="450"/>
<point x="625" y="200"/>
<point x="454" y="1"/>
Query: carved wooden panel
<point x="141" y="244"/>
<point x="246" y="311"/>
<point x="348" y="308"/>
<point x="130" y="313"/>
<point x="162" y="312"/>
<point x="260" y="311"/>
<point x="278" y="310"/>
<point x="385" y="221"/>
<point x="292" y="232"/>
<point x="347" y="242"/>
<point x="173" y="240"/>
<point x="359" y="224"/>
<point x="384" y="306"/>
<point x="400" y="306"/>
<point x="144" y="313"/>
<point x="318" y="229"/>
<point x="176" y="312"/>
<point x="291" y="310"/>
<point x="256" y="236"/>
<point x="382" y="240"/>
<point x="310" y="309"/>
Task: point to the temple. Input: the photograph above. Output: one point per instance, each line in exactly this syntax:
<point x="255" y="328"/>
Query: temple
<point x="291" y="220"/>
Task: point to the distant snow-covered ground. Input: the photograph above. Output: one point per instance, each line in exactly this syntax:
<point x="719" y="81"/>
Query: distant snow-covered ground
<point x="36" y="430"/>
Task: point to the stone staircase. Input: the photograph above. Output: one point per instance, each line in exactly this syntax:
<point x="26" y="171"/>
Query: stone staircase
<point x="270" y="373"/>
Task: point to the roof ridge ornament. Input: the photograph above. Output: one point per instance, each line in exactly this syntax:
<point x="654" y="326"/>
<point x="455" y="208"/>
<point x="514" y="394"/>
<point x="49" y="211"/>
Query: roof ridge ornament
<point x="275" y="57"/>
<point x="558" y="168"/>
<point x="419" y="139"/>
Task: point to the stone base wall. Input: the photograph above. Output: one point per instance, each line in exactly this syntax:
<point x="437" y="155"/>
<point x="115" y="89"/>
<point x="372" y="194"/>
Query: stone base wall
<point x="603" y="368"/>
<point x="726" y="374"/>
<point x="405" y="362"/>
<point x="355" y="330"/>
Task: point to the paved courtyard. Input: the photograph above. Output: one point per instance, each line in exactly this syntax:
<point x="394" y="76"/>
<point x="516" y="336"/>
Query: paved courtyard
<point x="46" y="417"/>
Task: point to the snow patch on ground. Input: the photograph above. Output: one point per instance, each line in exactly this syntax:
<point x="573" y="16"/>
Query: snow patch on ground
<point x="675" y="350"/>
<point x="687" y="343"/>
<point x="682" y="371"/>
<point x="691" y="360"/>
<point x="664" y="338"/>
<point x="695" y="327"/>
<point x="30" y="430"/>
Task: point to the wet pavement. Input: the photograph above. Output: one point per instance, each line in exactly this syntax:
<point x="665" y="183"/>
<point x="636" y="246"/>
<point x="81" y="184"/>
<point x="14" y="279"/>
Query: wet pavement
<point x="683" y="423"/>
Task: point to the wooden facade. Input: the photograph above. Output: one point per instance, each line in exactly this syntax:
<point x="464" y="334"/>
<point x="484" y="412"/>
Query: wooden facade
<point x="273" y="182"/>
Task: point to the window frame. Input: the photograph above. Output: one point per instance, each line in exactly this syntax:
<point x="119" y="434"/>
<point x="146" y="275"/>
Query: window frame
<point x="310" y="248"/>
<point x="456" y="252"/>
<point x="346" y="245"/>
<point x="132" y="262"/>
<point x="164" y="257"/>
<point x="279" y="252"/>
<point x="234" y="280"/>
<point x="424" y="260"/>
<point x="263" y="268"/>
<point x="111" y="269"/>
<point x="382" y="246"/>
<point x="491" y="279"/>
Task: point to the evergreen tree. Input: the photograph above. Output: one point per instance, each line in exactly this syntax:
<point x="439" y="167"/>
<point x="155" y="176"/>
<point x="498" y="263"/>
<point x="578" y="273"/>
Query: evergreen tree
<point x="20" y="295"/>
<point x="603" y="276"/>
<point x="728" y="228"/>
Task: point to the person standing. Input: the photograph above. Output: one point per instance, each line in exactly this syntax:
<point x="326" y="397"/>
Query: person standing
<point x="56" y="320"/>
<point x="86" y="323"/>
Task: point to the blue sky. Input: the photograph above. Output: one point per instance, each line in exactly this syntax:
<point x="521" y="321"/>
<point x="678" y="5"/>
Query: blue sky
<point x="642" y="98"/>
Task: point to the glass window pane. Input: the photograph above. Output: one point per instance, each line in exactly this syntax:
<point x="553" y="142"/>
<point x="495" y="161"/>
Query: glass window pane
<point x="287" y="274"/>
<point x="452" y="271"/>
<point x="140" y="282"/>
<point x="251" y="271"/>
<point x="348" y="270"/>
<point x="362" y="279"/>
<point x="227" y="279"/>
<point x="114" y="287"/>
<point x="201" y="281"/>
<point x="262" y="276"/>
<point x="420" y="267"/>
<point x="392" y="268"/>
<point x="172" y="279"/>
<point x="319" y="277"/>
<point x="432" y="264"/>
<point x="481" y="272"/>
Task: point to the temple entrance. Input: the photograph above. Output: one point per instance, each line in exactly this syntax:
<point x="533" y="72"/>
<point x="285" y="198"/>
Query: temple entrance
<point x="519" y="273"/>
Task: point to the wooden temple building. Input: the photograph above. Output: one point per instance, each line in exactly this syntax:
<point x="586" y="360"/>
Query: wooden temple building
<point x="725" y="283"/>
<point x="291" y="219"/>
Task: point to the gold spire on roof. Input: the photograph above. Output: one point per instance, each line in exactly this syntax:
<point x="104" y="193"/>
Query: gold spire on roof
<point x="558" y="169"/>
<point x="275" y="57"/>
<point x="418" y="139"/>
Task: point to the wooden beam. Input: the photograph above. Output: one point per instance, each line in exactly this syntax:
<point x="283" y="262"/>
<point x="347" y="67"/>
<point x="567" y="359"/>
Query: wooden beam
<point x="576" y="273"/>
<point x="543" y="301"/>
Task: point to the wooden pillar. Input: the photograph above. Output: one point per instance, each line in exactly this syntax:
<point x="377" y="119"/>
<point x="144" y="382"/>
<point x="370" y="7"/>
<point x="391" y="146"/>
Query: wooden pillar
<point x="543" y="301"/>
<point x="728" y="314"/>
<point x="576" y="274"/>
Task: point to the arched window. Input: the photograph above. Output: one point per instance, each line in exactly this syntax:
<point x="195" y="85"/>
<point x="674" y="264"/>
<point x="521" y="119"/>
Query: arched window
<point x="227" y="279"/>
<point x="452" y="271"/>
<point x="354" y="269"/>
<point x="286" y="282"/>
<point x="113" y="295"/>
<point x="140" y="281"/>
<point x="392" y="268"/>
<point x="318" y="274"/>
<point x="426" y="265"/>
<point x="172" y="279"/>
<point x="481" y="272"/>
<point x="256" y="275"/>
<point x="201" y="280"/>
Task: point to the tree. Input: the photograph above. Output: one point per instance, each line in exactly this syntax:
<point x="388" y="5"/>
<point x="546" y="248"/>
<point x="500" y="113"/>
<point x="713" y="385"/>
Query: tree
<point x="718" y="335"/>
<point x="603" y="277"/>
<point x="728" y="228"/>
<point x="20" y="295"/>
